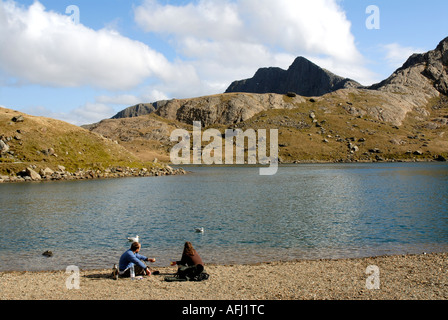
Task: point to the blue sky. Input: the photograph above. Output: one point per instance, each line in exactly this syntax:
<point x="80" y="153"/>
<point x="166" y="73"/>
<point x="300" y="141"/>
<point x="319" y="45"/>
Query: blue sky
<point x="118" y="53"/>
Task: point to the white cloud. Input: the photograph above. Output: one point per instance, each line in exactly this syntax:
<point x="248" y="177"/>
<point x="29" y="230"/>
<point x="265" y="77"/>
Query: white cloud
<point x="126" y="99"/>
<point x="103" y="107"/>
<point x="315" y="27"/>
<point x="99" y="108"/>
<point x="210" y="19"/>
<point x="396" y="54"/>
<point x="85" y="114"/>
<point x="229" y="40"/>
<point x="153" y="95"/>
<point x="48" y="48"/>
<point x="91" y="113"/>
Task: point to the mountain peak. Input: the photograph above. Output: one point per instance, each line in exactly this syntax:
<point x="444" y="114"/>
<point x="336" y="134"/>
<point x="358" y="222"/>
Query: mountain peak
<point x="443" y="45"/>
<point x="303" y="77"/>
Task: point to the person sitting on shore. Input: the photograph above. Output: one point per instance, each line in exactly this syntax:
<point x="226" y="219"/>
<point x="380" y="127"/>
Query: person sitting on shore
<point x="191" y="265"/>
<point x="190" y="257"/>
<point x="132" y="258"/>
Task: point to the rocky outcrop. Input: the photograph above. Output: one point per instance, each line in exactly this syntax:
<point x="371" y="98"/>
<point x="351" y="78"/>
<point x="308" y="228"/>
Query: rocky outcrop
<point x="303" y="78"/>
<point x="422" y="75"/>
<point x="382" y="106"/>
<point x="139" y="110"/>
<point x="227" y="109"/>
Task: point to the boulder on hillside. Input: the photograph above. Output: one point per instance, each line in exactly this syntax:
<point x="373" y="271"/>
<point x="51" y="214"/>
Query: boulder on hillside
<point x="32" y="174"/>
<point x="3" y="147"/>
<point x="19" y="118"/>
<point x="46" y="172"/>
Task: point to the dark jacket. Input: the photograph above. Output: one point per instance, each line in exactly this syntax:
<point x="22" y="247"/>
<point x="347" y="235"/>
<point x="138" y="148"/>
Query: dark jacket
<point x="190" y="260"/>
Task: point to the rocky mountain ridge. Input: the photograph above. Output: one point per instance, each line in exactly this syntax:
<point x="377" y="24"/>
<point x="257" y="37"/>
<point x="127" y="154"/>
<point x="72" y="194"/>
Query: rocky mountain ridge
<point x="302" y="78"/>
<point x="423" y="77"/>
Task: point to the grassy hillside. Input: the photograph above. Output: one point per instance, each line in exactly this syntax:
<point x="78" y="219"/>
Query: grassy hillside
<point x="146" y="137"/>
<point x="47" y="142"/>
<point x="342" y="126"/>
<point x="325" y="131"/>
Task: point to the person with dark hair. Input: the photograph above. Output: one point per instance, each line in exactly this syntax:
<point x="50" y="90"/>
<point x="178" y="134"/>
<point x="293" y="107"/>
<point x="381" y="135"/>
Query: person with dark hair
<point x="191" y="266"/>
<point x="190" y="257"/>
<point x="132" y="258"/>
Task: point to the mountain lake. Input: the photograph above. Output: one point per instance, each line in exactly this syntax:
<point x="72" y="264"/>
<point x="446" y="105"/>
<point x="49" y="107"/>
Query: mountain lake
<point x="305" y="211"/>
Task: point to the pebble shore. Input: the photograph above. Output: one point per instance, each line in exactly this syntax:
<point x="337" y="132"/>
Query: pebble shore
<point x="403" y="277"/>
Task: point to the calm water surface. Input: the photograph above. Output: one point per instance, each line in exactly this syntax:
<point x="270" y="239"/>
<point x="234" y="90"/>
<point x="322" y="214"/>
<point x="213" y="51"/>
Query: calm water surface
<point x="303" y="212"/>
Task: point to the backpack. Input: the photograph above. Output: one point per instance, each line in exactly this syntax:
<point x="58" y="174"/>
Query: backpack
<point x="193" y="273"/>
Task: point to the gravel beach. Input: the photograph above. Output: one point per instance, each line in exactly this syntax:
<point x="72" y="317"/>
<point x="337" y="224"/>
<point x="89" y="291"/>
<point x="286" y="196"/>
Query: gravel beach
<point x="403" y="277"/>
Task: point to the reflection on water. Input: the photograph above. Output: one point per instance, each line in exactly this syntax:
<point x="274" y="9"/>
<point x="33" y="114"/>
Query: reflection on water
<point x="303" y="212"/>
